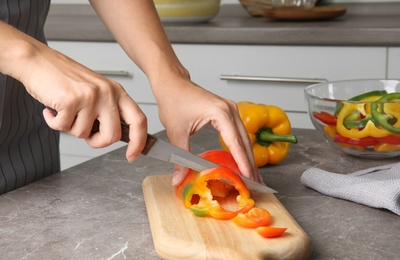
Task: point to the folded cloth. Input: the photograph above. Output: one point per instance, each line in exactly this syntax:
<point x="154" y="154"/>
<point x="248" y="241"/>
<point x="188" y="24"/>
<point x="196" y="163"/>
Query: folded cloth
<point x="377" y="187"/>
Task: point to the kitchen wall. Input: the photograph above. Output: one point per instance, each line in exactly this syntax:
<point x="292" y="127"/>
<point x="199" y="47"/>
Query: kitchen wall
<point x="236" y="1"/>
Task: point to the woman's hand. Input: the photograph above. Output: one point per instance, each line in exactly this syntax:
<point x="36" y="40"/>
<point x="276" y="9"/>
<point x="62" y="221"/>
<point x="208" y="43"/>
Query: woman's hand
<point x="79" y="95"/>
<point x="188" y="108"/>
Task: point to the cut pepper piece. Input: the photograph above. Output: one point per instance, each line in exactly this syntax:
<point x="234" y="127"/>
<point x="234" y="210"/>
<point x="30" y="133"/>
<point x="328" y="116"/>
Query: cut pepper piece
<point x="270" y="232"/>
<point x="368" y="96"/>
<point x="390" y="139"/>
<point x="366" y="141"/>
<point x="325" y="117"/>
<point x="370" y="130"/>
<point x="382" y="116"/>
<point x="256" y="217"/>
<point x="383" y="147"/>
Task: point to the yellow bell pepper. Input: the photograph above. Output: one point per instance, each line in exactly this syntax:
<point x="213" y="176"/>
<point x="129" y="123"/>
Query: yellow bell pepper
<point x="269" y="130"/>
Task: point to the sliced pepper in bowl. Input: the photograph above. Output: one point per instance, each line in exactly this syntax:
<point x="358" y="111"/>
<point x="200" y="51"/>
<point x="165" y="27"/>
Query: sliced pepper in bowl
<point x="372" y="123"/>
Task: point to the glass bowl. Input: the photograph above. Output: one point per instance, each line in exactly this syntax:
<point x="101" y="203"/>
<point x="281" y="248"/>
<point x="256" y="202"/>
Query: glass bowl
<point x="358" y="117"/>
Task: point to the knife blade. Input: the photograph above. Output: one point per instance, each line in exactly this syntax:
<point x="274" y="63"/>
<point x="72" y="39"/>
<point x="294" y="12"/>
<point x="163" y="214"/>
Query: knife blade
<point x="167" y="152"/>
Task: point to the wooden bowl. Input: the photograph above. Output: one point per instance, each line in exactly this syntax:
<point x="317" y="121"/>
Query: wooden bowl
<point x="256" y="7"/>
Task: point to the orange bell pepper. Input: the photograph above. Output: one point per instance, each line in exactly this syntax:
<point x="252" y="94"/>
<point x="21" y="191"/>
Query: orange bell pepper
<point x="269" y="131"/>
<point x="201" y="192"/>
<point x="199" y="188"/>
<point x="256" y="217"/>
<point x="270" y="232"/>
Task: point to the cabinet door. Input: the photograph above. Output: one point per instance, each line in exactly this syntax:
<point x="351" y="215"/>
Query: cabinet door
<point x="109" y="59"/>
<point x="304" y="64"/>
<point x="394" y="63"/>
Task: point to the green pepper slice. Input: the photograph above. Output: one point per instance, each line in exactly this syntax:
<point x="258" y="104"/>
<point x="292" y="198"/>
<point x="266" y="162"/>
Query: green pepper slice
<point x="380" y="117"/>
<point x="361" y="97"/>
<point x="355" y="120"/>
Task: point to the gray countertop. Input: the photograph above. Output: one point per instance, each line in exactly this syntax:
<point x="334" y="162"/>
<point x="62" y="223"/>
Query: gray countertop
<point x="363" y="25"/>
<point x="96" y="210"/>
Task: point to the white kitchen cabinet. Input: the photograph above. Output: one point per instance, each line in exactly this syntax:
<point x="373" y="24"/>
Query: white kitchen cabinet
<point x="288" y="65"/>
<point x="394" y="63"/>
<point x="209" y="63"/>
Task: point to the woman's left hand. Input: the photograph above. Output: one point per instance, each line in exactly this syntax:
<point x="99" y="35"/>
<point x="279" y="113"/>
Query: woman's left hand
<point x="188" y="108"/>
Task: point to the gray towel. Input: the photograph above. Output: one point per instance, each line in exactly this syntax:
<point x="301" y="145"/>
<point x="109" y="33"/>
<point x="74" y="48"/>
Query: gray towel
<point x="377" y="187"/>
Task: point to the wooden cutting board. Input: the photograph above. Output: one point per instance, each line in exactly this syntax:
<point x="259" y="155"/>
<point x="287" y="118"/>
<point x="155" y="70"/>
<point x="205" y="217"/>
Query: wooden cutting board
<point x="178" y="234"/>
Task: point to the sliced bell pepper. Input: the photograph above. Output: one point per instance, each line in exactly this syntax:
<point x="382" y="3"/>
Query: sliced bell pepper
<point x="384" y="147"/>
<point x="269" y="130"/>
<point x="366" y="141"/>
<point x="256" y="217"/>
<point x="373" y="124"/>
<point x="382" y="116"/>
<point x="330" y="130"/>
<point x="370" y="130"/>
<point x="270" y="232"/>
<point x="389" y="143"/>
<point x="390" y="139"/>
<point x="368" y="96"/>
<point x="198" y="190"/>
<point x="325" y="117"/>
<point x="357" y="120"/>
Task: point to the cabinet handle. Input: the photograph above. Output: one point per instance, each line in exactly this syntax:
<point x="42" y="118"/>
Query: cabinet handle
<point x="271" y="79"/>
<point x="121" y="73"/>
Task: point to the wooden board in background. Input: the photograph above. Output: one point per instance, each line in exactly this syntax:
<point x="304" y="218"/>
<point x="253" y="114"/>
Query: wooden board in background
<point x="178" y="234"/>
<point x="299" y="14"/>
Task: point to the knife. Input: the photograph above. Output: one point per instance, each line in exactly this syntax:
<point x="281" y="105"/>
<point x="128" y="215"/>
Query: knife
<point x="167" y="152"/>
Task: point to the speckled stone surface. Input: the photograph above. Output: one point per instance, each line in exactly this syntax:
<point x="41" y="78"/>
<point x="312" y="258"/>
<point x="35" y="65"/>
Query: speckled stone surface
<point x="374" y="24"/>
<point x="96" y="210"/>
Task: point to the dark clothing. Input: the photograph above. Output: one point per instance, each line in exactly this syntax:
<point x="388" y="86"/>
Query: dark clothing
<point x="29" y="149"/>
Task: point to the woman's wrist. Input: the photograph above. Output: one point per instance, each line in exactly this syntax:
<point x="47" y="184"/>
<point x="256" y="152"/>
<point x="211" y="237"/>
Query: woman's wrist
<point x="166" y="76"/>
<point x="18" y="50"/>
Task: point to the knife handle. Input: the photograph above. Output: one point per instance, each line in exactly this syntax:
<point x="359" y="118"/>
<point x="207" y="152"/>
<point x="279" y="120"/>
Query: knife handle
<point x="150" y="140"/>
<point x="125" y="135"/>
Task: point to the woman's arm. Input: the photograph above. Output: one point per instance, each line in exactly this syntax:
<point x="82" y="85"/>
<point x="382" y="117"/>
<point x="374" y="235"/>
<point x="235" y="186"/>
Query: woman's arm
<point x="184" y="107"/>
<point x="78" y="94"/>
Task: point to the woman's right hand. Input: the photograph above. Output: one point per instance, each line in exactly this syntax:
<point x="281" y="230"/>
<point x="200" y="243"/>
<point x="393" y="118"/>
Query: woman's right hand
<point x="79" y="95"/>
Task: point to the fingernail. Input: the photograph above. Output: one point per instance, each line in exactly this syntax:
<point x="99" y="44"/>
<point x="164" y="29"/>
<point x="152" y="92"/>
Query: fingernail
<point x="131" y="158"/>
<point x="176" y="179"/>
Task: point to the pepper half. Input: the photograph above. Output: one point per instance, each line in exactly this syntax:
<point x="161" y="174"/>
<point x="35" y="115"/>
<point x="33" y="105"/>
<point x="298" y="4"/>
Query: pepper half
<point x="199" y="190"/>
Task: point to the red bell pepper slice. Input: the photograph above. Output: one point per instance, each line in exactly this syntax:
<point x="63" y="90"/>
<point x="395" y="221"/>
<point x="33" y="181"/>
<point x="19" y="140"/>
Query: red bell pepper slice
<point x="390" y="139"/>
<point x="367" y="141"/>
<point x="325" y="117"/>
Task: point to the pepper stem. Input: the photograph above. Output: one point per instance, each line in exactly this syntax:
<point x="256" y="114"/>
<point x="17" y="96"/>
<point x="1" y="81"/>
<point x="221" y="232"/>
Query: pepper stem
<point x="265" y="136"/>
